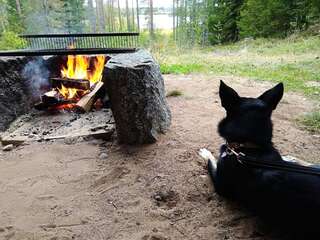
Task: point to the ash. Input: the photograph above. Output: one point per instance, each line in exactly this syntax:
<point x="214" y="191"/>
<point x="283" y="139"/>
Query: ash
<point x="44" y="126"/>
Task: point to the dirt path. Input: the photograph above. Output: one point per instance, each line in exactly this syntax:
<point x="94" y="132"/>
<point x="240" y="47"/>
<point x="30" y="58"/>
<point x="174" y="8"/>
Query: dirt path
<point x="96" y="190"/>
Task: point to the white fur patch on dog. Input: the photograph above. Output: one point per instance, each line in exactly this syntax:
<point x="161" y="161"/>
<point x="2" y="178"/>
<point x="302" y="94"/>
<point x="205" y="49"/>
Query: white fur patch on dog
<point x="292" y="159"/>
<point x="207" y="155"/>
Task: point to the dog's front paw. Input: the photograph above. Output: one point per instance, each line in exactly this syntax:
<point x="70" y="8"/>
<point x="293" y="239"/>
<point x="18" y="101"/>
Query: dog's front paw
<point x="206" y="154"/>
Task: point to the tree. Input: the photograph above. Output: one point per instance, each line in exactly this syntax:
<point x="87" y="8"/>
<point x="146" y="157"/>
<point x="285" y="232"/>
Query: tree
<point x="73" y="15"/>
<point x="133" y="17"/>
<point x="14" y="16"/>
<point x="138" y="19"/>
<point x="174" y="19"/>
<point x="3" y="16"/>
<point x="265" y="18"/>
<point x="223" y="20"/>
<point x="18" y="7"/>
<point x="128" y="16"/>
<point x="151" y="25"/>
<point x="119" y="16"/>
<point x="101" y="18"/>
<point x="91" y="16"/>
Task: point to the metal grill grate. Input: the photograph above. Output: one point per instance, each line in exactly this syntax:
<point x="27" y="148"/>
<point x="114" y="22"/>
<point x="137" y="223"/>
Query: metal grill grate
<point x="86" y="43"/>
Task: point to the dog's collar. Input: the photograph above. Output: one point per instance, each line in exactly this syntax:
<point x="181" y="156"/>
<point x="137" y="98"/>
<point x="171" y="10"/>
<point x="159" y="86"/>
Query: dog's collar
<point x="234" y="148"/>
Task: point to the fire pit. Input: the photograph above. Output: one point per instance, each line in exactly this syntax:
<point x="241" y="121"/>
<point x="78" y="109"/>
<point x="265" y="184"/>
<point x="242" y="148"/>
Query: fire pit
<point x="77" y="85"/>
<point x="72" y="93"/>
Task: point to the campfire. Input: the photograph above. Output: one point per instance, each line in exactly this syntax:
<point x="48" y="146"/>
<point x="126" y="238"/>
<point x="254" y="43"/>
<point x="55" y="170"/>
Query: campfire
<point x="77" y="86"/>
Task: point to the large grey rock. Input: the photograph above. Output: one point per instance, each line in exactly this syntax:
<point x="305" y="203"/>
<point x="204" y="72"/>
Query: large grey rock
<point x="15" y="98"/>
<point x="137" y="94"/>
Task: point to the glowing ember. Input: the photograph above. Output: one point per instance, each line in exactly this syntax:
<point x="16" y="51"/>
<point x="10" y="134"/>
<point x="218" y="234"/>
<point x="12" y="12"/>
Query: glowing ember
<point x="67" y="106"/>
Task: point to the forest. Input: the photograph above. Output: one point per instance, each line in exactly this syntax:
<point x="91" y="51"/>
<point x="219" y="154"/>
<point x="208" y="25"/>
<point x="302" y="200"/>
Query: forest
<point x="194" y="22"/>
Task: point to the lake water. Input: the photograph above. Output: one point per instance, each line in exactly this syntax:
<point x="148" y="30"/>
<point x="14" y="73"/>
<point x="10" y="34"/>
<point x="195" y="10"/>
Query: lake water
<point x="161" y="21"/>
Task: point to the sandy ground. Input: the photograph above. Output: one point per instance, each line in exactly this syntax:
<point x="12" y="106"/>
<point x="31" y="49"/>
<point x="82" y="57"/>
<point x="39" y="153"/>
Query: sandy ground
<point x="97" y="190"/>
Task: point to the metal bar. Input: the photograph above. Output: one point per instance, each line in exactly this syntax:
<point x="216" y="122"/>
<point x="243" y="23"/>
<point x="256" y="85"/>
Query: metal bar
<point x="78" y="35"/>
<point x="84" y="41"/>
<point x="91" y="51"/>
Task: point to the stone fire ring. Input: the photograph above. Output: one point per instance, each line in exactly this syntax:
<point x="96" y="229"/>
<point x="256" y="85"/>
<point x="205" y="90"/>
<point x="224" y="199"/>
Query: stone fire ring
<point x="133" y="82"/>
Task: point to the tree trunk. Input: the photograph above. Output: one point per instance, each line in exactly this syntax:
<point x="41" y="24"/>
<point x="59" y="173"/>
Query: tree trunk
<point x="18" y="6"/>
<point x="92" y="15"/>
<point x="119" y="15"/>
<point x="132" y="9"/>
<point x="112" y="16"/>
<point x="103" y="17"/>
<point x="46" y="13"/>
<point x="174" y="20"/>
<point x="100" y="15"/>
<point x="3" y="16"/>
<point x="128" y="16"/>
<point x="177" y="22"/>
<point x="138" y="20"/>
<point x="193" y="22"/>
<point x="151" y="27"/>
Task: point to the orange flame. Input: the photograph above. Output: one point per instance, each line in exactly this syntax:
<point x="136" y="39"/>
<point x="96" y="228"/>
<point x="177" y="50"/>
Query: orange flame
<point x="80" y="67"/>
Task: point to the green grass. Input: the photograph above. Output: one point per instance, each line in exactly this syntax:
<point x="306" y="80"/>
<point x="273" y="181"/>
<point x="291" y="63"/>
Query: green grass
<point x="181" y="68"/>
<point x="311" y="121"/>
<point x="295" y="62"/>
<point x="174" y="93"/>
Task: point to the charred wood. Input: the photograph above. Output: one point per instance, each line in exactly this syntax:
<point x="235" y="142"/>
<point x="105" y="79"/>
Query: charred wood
<point x="70" y="83"/>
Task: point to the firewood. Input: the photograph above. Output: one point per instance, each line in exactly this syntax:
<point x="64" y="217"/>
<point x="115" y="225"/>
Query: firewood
<point x="70" y="83"/>
<point x="86" y="102"/>
<point x="43" y="106"/>
<point x="51" y="97"/>
<point x="52" y="100"/>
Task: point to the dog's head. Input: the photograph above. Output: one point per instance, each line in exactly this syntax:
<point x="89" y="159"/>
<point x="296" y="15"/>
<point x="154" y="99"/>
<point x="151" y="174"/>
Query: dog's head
<point x="248" y="119"/>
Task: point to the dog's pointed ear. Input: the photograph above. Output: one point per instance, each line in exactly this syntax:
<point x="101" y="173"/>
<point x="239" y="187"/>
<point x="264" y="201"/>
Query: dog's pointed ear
<point x="273" y="96"/>
<point x="229" y="97"/>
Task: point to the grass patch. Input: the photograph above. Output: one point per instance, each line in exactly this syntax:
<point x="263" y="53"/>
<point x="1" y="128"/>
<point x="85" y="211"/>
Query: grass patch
<point x="294" y="61"/>
<point x="181" y="68"/>
<point x="293" y="75"/>
<point x="311" y="121"/>
<point x="174" y="93"/>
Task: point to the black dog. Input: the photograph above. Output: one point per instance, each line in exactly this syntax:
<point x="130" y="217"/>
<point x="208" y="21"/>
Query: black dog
<point x="250" y="170"/>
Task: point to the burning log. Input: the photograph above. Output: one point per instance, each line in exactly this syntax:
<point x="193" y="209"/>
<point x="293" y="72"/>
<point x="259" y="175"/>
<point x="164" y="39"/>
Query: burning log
<point x="86" y="102"/>
<point x="51" y="100"/>
<point x="50" y="97"/>
<point x="70" y="83"/>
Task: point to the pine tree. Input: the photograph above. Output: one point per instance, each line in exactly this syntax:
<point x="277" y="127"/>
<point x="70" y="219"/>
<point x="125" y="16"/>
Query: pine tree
<point x="3" y="16"/>
<point x="73" y="15"/>
<point x="265" y="18"/>
<point x="223" y="20"/>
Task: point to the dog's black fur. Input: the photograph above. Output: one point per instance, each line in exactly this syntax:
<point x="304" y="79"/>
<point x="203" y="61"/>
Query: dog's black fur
<point x="289" y="199"/>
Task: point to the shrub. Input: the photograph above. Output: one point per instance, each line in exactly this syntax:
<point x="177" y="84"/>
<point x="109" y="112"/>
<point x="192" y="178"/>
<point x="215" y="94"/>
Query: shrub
<point x="10" y="40"/>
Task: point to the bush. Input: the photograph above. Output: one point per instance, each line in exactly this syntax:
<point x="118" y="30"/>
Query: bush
<point x="10" y="40"/>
